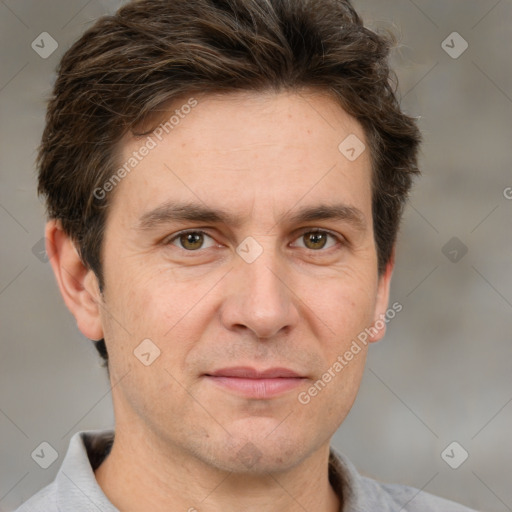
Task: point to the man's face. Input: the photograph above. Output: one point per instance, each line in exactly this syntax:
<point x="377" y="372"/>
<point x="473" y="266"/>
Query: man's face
<point x="239" y="296"/>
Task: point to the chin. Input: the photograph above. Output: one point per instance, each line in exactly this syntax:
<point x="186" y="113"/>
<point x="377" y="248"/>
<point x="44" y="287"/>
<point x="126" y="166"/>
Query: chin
<point x="260" y="453"/>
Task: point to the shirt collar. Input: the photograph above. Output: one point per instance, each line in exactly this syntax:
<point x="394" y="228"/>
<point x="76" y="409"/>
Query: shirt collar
<point x="76" y="482"/>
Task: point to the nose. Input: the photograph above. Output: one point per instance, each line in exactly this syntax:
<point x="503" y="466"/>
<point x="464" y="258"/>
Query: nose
<point x="260" y="298"/>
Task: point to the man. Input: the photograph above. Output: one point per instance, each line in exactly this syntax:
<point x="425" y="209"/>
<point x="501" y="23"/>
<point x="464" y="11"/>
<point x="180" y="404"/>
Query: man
<point x="224" y="183"/>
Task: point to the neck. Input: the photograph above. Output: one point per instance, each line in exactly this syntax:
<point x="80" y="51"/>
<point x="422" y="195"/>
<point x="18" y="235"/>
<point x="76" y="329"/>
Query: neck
<point x="140" y="475"/>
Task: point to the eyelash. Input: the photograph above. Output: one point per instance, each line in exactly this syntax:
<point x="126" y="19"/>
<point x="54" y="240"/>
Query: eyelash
<point x="341" y="240"/>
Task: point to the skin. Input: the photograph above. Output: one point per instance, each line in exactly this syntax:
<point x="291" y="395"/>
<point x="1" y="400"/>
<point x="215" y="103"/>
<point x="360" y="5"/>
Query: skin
<point x="180" y="438"/>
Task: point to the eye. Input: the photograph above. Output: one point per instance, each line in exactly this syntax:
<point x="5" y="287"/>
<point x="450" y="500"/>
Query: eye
<point x="190" y="240"/>
<point x="316" y="239"/>
<point x="194" y="240"/>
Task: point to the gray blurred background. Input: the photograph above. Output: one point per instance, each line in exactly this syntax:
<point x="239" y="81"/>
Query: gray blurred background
<point x="443" y="372"/>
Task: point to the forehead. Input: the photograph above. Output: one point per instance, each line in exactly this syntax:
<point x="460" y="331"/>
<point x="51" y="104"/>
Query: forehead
<point x="241" y="150"/>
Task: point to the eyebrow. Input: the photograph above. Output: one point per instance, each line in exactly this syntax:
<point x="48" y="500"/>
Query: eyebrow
<point x="173" y="211"/>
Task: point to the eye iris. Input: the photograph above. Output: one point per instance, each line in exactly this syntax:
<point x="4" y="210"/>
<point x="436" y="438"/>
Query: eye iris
<point x="191" y="240"/>
<point x="315" y="238"/>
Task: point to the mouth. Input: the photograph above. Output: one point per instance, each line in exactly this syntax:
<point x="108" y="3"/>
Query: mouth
<point x="252" y="383"/>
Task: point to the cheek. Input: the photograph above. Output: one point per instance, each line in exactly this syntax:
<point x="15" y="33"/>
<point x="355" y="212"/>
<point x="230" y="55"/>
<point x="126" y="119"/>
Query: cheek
<point x="152" y="305"/>
<point x="142" y="299"/>
<point x="348" y="311"/>
<point x="346" y="305"/>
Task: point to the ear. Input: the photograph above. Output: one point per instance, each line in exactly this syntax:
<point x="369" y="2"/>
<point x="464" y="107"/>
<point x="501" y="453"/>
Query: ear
<point x="378" y="328"/>
<point x="78" y="285"/>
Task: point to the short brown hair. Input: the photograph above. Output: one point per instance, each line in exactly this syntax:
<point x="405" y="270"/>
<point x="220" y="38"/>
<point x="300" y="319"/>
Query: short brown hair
<point x="127" y="66"/>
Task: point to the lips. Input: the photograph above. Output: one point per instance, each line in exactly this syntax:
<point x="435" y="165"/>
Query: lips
<point x="251" y="373"/>
<point x="257" y="384"/>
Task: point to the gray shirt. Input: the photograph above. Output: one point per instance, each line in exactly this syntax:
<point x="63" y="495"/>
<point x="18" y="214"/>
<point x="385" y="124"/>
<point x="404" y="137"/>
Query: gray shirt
<point x="75" y="487"/>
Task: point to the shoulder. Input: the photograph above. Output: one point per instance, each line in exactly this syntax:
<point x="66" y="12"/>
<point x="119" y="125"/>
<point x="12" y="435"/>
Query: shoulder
<point x="43" y="501"/>
<point x="75" y="486"/>
<point x="363" y="494"/>
<point x="407" y="499"/>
